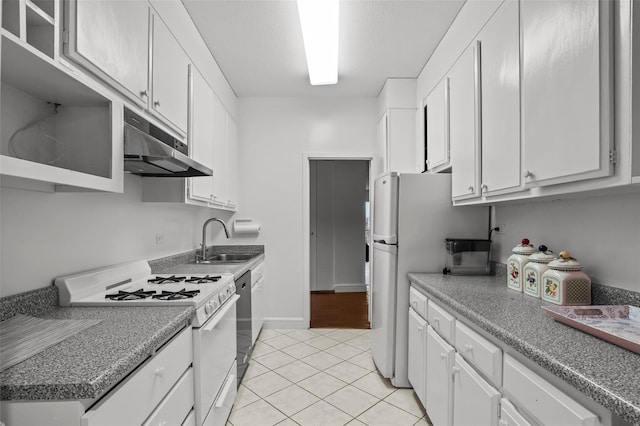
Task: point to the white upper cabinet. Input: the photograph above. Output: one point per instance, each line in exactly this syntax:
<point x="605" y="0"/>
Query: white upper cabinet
<point x="499" y="52"/>
<point x="463" y="119"/>
<point x="111" y="39"/>
<point x="220" y="153"/>
<point x="566" y="90"/>
<point x="170" y="77"/>
<point x="232" y="172"/>
<point x="397" y="126"/>
<point x="201" y="135"/>
<point x="437" y="126"/>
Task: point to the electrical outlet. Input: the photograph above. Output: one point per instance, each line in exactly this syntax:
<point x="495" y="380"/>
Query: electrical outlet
<point x="159" y="238"/>
<point x="501" y="228"/>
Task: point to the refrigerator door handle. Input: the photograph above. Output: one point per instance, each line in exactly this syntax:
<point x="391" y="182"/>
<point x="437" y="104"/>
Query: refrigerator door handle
<point x="385" y="239"/>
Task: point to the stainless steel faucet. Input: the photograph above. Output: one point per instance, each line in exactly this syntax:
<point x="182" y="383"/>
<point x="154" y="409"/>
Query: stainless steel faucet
<point x="203" y="250"/>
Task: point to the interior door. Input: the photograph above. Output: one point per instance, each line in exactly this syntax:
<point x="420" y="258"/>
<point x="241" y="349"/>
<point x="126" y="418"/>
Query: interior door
<point x="383" y="319"/>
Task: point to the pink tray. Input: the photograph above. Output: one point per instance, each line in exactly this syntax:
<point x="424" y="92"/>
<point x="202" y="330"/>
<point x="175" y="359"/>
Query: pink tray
<point x="618" y="324"/>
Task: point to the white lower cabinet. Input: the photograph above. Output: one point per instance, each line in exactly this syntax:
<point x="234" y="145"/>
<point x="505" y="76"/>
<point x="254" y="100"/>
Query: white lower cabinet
<point x="439" y="387"/>
<point x="509" y="415"/>
<point x="475" y="401"/>
<point x="417" y="361"/>
<point x="257" y="301"/>
<point x="545" y="402"/>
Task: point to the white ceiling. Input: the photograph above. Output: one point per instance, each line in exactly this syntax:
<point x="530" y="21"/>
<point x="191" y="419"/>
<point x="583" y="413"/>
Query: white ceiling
<point x="258" y="44"/>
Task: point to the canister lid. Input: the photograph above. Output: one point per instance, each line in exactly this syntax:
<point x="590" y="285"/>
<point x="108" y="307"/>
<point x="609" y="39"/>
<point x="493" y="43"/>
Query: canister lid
<point x="524" y="248"/>
<point x="543" y="255"/>
<point x="565" y="262"/>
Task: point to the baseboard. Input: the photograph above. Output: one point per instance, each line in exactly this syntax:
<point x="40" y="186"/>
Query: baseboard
<point x="285" y="323"/>
<point x="350" y="288"/>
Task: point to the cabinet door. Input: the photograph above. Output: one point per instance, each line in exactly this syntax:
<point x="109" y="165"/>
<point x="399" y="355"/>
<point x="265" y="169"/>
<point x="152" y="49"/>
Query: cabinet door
<point x="232" y="171"/>
<point x="463" y="115"/>
<point x="566" y="91"/>
<point x="201" y="135"/>
<point x="439" y="387"/>
<point x="111" y="39"/>
<point x="401" y="131"/>
<point x="220" y="152"/>
<point x="499" y="48"/>
<point x="437" y="126"/>
<point x="170" y="77"/>
<point x="417" y="354"/>
<point x="509" y="416"/>
<point x="475" y="402"/>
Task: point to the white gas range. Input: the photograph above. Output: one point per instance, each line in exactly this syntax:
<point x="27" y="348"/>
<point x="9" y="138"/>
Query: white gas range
<point x="214" y="325"/>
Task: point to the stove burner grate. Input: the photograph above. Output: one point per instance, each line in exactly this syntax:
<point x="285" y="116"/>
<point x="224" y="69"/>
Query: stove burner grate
<point x="130" y="295"/>
<point x="176" y="295"/>
<point x="166" y="280"/>
<point x="203" y="280"/>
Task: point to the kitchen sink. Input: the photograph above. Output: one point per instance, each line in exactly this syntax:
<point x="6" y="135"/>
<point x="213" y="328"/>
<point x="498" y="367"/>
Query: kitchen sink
<point x="227" y="258"/>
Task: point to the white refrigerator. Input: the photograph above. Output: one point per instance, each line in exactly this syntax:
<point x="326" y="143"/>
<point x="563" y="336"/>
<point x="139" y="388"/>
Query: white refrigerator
<point x="412" y="217"/>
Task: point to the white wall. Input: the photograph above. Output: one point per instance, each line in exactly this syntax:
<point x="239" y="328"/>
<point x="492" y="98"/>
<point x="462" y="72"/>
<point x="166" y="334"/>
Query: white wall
<point x="602" y="233"/>
<point x="274" y="134"/>
<point x="45" y="235"/>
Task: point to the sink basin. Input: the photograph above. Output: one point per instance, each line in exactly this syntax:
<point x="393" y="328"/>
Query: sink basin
<point x="227" y="258"/>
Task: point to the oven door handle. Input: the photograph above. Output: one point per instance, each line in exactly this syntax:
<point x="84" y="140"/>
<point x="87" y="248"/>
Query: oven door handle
<point x="218" y="316"/>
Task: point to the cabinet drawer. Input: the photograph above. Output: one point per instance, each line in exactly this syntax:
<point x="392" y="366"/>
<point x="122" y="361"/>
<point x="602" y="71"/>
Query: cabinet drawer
<point x="441" y="321"/>
<point x="482" y="354"/>
<point x="177" y="405"/>
<point x="545" y="402"/>
<point x="418" y="302"/>
<point x="131" y="402"/>
<point x="256" y="273"/>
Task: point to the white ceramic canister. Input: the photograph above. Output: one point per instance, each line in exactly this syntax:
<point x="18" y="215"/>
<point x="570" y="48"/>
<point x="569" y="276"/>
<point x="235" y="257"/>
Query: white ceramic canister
<point x="564" y="283"/>
<point x="516" y="262"/>
<point x="533" y="270"/>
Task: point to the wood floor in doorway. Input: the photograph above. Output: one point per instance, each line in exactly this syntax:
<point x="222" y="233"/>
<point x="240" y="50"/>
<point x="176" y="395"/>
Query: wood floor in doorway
<point x="339" y="310"/>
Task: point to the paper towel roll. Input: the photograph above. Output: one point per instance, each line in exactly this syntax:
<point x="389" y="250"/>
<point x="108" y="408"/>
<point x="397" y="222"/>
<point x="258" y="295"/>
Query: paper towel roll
<point x="245" y="226"/>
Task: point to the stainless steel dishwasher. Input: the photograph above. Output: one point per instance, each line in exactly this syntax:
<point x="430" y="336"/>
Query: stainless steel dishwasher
<point x="243" y="315"/>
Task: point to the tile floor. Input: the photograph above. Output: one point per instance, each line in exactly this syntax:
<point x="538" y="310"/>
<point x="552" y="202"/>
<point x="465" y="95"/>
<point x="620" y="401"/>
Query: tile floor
<point x="320" y="377"/>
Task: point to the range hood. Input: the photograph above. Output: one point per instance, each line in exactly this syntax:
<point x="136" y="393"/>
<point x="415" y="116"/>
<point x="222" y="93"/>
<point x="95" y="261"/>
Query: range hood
<point x="150" y="151"/>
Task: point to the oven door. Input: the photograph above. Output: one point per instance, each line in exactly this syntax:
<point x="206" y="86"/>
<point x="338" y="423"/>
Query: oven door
<point x="214" y="353"/>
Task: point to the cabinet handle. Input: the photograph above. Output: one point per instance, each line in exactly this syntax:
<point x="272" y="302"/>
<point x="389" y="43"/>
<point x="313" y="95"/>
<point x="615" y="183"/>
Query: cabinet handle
<point x="156" y="103"/>
<point x="415" y="304"/>
<point x="468" y="348"/>
<point x="159" y="372"/>
<point x="471" y="189"/>
<point x="454" y="371"/>
<point x="436" y="320"/>
<point x="144" y="93"/>
<point x="528" y="174"/>
<point x="484" y="187"/>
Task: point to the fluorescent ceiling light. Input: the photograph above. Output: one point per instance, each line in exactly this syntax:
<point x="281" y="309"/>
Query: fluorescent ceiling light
<point x="319" y="20"/>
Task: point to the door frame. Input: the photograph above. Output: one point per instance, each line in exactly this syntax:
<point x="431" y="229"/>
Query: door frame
<point x="306" y="211"/>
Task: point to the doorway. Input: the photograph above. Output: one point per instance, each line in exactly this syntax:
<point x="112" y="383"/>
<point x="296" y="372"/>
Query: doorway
<point x="338" y="249"/>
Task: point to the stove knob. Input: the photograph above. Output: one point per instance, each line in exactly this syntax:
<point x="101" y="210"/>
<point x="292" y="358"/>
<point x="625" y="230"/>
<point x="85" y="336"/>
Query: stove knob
<point x="208" y="308"/>
<point x="222" y="297"/>
<point x="215" y="304"/>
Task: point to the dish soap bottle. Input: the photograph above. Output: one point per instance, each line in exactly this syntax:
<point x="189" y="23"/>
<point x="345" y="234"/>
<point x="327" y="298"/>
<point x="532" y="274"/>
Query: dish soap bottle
<point x="533" y="270"/>
<point x="564" y="283"/>
<point x="516" y="262"/>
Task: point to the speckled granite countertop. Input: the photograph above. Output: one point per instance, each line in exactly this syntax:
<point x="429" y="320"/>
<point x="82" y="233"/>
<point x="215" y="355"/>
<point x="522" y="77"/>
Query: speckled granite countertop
<point x="608" y="374"/>
<point x="89" y="363"/>
<point x="182" y="263"/>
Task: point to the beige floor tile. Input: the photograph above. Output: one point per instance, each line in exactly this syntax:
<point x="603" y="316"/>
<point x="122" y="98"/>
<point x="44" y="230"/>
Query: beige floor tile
<point x="321" y="414"/>
<point x="262" y="348"/>
<point x="375" y="385"/>
<point x="322" y="342"/>
<point x="260" y="413"/>
<point x="300" y="350"/>
<point x="343" y="351"/>
<point x="321" y="360"/>
<point x="407" y="400"/>
<point x="303" y="335"/>
<point x="296" y="371"/>
<point x="355" y="422"/>
<point x="275" y="359"/>
<point x="244" y="397"/>
<point x="291" y="400"/>
<point x="352" y="400"/>
<point x="267" y="334"/>
<point x="281" y="341"/>
<point x="384" y="414"/>
<point x="266" y="384"/>
<point x="322" y="331"/>
<point x="346" y="372"/>
<point x="360" y="342"/>
<point x="364" y="360"/>
<point x="287" y="422"/>
<point x="342" y="334"/>
<point x="321" y="384"/>
<point x="255" y="369"/>
<point x="425" y="421"/>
